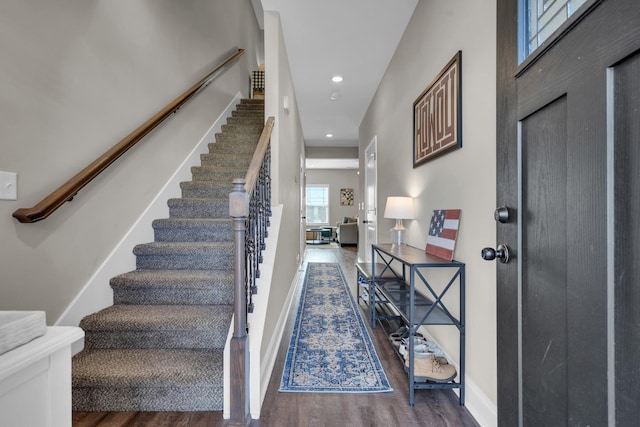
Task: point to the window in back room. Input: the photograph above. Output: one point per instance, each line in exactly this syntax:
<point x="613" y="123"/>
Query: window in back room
<point x="317" y="204"/>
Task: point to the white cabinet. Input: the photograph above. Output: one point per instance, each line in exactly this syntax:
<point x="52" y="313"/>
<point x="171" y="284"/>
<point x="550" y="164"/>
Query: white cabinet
<point x="35" y="380"/>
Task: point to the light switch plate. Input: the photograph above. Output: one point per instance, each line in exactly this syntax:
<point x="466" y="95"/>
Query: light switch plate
<point x="8" y="186"/>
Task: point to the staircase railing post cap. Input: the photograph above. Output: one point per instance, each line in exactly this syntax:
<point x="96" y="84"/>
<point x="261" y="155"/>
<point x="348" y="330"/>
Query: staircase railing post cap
<point x="238" y="200"/>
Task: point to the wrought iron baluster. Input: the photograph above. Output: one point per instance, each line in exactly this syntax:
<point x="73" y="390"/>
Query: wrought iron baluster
<point x="257" y="223"/>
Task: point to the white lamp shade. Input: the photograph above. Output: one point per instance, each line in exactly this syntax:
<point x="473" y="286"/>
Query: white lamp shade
<point x="399" y="208"/>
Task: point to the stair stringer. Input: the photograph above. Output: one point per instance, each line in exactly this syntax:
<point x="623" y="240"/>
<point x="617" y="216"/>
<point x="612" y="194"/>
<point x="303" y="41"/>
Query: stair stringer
<point x="95" y="295"/>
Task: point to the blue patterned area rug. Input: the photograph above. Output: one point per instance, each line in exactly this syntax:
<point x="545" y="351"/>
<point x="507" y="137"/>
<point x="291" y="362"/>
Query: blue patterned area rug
<point x="330" y="349"/>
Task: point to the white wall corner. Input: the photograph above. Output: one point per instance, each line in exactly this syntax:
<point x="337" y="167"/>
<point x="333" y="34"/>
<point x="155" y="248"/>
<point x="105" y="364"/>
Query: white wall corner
<point x="96" y="294"/>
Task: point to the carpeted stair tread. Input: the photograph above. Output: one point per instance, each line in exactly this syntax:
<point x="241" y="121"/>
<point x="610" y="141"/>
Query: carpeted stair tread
<point x="193" y="230"/>
<point x="171" y="287"/>
<point x="249" y="104"/>
<point x="221" y="160"/>
<point x="245" y="120"/>
<point x="244" y="106"/>
<point x="158" y="326"/>
<point x="239" y="148"/>
<point x="249" y="107"/>
<point x="148" y="367"/>
<point x="182" y="256"/>
<point x="148" y="380"/>
<point x="199" y="208"/>
<point x="241" y="145"/>
<point x="189" y="222"/>
<point x="245" y="128"/>
<point x="209" y="183"/>
<point x="204" y="189"/>
<point x="236" y="138"/>
<point x="179" y="247"/>
<point x="160" y="278"/>
<point x="224" y="184"/>
<point x="125" y="317"/>
<point x="248" y="113"/>
<point x="223" y="169"/>
<point x="200" y="173"/>
<point x="235" y="159"/>
<point x="244" y="142"/>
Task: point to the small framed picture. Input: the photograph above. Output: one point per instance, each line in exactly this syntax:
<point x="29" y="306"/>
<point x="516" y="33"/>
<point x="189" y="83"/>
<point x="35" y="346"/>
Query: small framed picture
<point x="346" y="196"/>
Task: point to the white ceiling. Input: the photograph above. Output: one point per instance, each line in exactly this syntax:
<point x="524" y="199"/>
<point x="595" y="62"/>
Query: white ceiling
<point x="351" y="38"/>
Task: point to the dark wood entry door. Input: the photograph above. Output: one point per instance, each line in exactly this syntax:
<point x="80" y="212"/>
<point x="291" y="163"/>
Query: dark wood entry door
<point x="569" y="172"/>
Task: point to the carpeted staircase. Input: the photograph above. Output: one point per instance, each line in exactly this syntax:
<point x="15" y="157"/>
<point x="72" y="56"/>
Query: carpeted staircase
<point x="159" y="347"/>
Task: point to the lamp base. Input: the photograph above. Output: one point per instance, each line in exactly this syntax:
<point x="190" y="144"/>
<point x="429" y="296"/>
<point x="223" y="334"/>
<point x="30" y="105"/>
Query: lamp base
<point x="398" y="233"/>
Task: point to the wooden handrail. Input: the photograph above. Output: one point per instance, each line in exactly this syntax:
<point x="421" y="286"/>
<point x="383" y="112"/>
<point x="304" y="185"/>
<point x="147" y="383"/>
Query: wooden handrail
<point x="256" y="161"/>
<point x="70" y="188"/>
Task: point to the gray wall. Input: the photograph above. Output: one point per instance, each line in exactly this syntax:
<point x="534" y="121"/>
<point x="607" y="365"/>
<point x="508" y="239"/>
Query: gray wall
<point x="331" y="152"/>
<point x="337" y="179"/>
<point x="462" y="179"/>
<point x="77" y="77"/>
<point x="287" y="156"/>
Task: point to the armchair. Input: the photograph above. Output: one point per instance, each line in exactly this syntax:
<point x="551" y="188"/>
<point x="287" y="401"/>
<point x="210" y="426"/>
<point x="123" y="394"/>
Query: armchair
<point x="347" y="232"/>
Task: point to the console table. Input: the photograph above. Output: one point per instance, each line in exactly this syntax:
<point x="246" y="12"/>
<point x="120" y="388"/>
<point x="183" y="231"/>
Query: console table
<point x="419" y="307"/>
<point x="318" y="235"/>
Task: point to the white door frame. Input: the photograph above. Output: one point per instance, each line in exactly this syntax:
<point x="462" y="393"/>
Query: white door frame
<point x="370" y="198"/>
<point x="303" y="208"/>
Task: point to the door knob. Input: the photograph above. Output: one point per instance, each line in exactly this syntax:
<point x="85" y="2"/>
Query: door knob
<point x="502" y="253"/>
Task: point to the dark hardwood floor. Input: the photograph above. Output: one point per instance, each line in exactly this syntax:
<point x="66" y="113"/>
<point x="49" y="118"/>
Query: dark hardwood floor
<point x="433" y="408"/>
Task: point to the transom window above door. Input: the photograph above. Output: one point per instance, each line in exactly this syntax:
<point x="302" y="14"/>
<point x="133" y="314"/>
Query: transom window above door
<point x="538" y="19"/>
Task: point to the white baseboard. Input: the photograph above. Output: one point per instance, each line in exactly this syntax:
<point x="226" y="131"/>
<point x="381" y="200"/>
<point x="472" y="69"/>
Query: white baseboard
<point x="96" y="294"/>
<point x="483" y="410"/>
<point x="276" y="339"/>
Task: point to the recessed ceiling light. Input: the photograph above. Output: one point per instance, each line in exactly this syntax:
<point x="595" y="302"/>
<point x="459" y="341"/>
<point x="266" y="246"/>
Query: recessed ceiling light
<point x="329" y="135"/>
<point x="336" y="79"/>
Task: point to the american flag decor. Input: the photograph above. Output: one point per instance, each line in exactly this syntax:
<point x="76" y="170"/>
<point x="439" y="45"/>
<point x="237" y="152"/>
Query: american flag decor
<point x="443" y="232"/>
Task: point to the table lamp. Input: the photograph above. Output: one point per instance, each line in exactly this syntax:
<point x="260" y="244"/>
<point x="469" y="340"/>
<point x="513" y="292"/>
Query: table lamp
<point x="399" y="208"/>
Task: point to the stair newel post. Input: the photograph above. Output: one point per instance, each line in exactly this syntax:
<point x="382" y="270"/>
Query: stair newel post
<point x="239" y="348"/>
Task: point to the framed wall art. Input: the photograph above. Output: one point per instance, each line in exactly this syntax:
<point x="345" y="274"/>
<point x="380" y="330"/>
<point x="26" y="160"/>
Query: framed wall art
<point x="346" y="196"/>
<point x="443" y="233"/>
<point x="437" y="121"/>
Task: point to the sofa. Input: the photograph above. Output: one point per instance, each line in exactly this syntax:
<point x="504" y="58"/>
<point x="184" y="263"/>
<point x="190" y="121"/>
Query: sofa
<point x="347" y="231"/>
